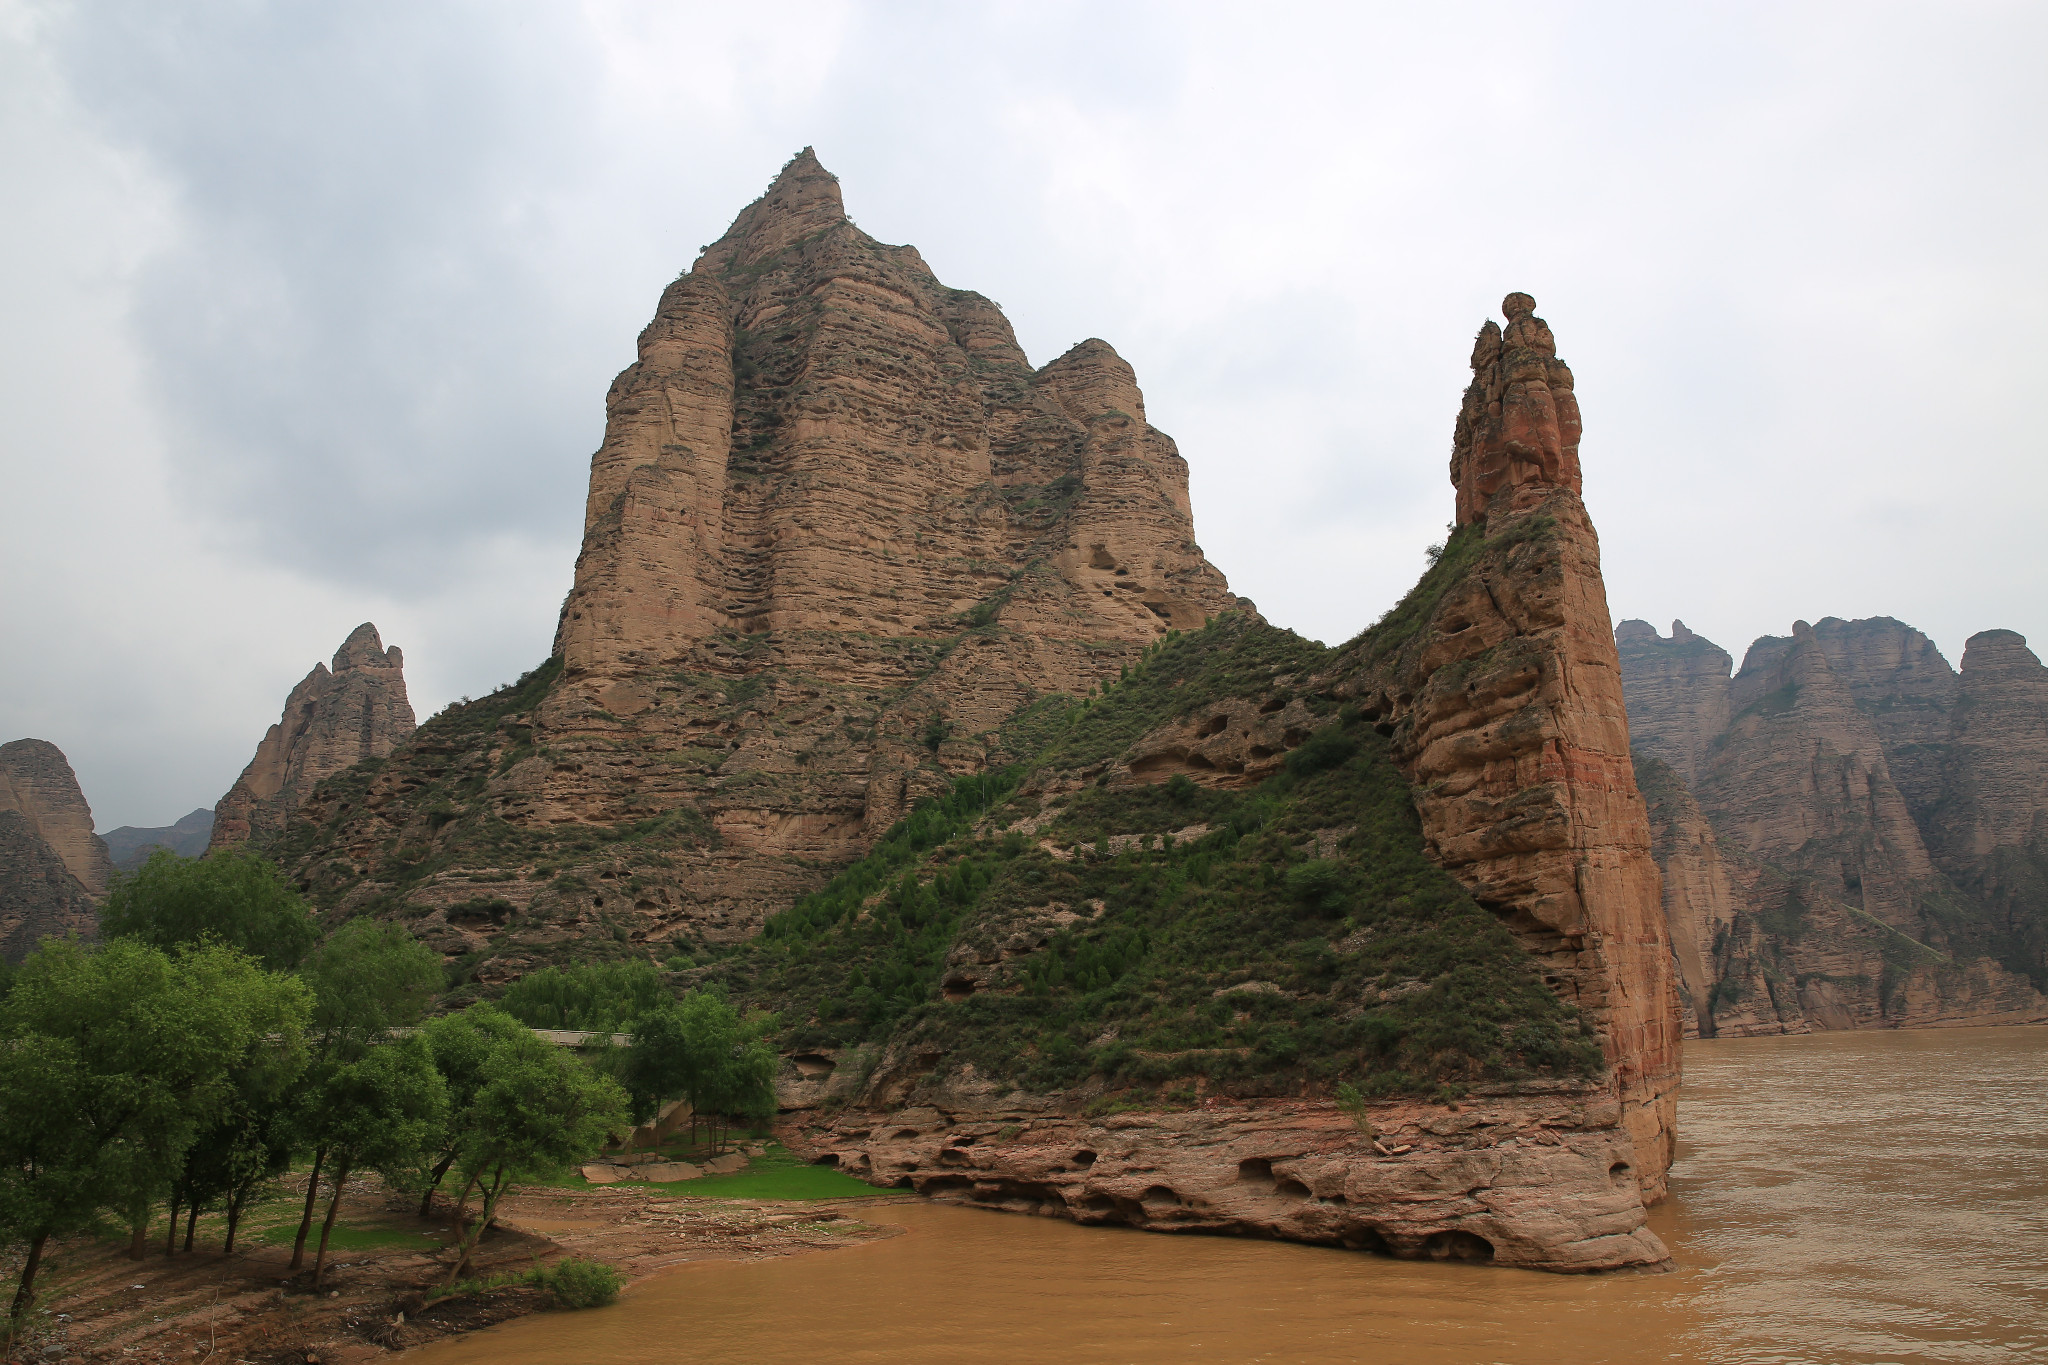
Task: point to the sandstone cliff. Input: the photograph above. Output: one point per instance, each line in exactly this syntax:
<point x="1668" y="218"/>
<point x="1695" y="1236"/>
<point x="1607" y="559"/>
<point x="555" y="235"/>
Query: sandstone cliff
<point x="1799" y="885"/>
<point x="839" y="530"/>
<point x="37" y="783"/>
<point x="1989" y="825"/>
<point x="1121" y="898"/>
<point x="1494" y="692"/>
<point x="334" y="719"/>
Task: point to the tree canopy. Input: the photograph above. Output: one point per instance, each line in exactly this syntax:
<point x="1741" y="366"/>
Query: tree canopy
<point x="234" y="897"/>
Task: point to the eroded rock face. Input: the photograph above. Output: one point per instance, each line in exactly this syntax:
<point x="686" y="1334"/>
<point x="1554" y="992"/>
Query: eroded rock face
<point x="334" y="719"/>
<point x="37" y="783"/>
<point x="1990" y="829"/>
<point x="1678" y="693"/>
<point x="39" y="897"/>
<point x="1806" y="856"/>
<point x="1520" y="425"/>
<point x="838" y="532"/>
<point x="1536" y="1180"/>
<point x="1506" y="705"/>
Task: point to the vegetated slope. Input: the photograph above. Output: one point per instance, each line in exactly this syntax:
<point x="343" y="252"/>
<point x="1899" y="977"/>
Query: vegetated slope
<point x="1264" y="936"/>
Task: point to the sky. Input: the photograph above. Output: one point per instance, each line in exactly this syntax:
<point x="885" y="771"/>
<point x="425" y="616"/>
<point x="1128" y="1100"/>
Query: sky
<point x="307" y="313"/>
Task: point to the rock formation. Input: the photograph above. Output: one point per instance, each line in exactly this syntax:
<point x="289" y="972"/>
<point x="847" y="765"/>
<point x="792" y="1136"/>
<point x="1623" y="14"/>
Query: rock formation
<point x="131" y="845"/>
<point x="1989" y="826"/>
<point x="1800" y="887"/>
<point x="1509" y="714"/>
<point x="53" y="868"/>
<point x="332" y="720"/>
<point x="36" y="781"/>
<point x="38" y="895"/>
<point x="1497" y="687"/>
<point x="1678" y="693"/>
<point x="838" y="532"/>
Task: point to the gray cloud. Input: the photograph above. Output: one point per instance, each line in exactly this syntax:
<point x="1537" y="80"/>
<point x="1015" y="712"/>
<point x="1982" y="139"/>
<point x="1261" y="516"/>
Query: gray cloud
<point x="313" y="311"/>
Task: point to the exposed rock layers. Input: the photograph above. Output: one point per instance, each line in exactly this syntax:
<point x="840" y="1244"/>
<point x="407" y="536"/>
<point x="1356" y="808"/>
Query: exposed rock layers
<point x="1498" y="683"/>
<point x="36" y="781"/>
<point x="1800" y="887"/>
<point x="1506" y="702"/>
<point x="53" y="868"/>
<point x="332" y="720"/>
<point x="839" y="530"/>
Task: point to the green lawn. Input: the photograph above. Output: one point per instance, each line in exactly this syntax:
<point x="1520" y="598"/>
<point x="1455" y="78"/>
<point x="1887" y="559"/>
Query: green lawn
<point x="778" y="1175"/>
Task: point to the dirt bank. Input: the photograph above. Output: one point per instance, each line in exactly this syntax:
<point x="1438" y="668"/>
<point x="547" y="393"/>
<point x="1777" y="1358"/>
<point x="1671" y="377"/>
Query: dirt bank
<point x="203" y="1306"/>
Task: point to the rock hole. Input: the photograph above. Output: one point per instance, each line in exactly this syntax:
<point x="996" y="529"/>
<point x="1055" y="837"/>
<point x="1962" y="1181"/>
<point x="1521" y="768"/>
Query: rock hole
<point x="941" y="1185"/>
<point x="1291" y="1189"/>
<point x="1162" y="1197"/>
<point x="1457" y="1246"/>
<point x="829" y="1159"/>
<point x="1272" y="704"/>
<point x="813" y="1065"/>
<point x="902" y="1133"/>
<point x="1255" y="1171"/>
<point x="1200" y="761"/>
<point x="1618" y="1171"/>
<point x="959" y="987"/>
<point x="1367" y="1239"/>
<point x="1215" y="725"/>
<point x="1083" y="1157"/>
<point x="1097" y="1203"/>
<point x="1099" y="557"/>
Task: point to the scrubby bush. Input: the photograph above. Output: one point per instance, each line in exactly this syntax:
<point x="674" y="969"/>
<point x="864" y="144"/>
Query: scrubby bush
<point x="580" y="1283"/>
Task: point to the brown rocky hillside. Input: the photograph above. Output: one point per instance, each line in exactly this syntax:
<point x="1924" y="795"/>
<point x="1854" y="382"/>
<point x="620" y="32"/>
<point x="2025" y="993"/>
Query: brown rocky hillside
<point x="53" y="868"/>
<point x="334" y="719"/>
<point x="1851" y="834"/>
<point x="838" y="532"/>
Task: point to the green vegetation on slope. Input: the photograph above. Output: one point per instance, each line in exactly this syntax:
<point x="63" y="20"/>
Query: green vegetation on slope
<point x="1302" y="937"/>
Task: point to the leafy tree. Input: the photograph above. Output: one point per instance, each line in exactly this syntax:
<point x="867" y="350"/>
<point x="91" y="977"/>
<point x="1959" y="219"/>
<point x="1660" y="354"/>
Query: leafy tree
<point x="699" y="1049"/>
<point x="250" y="1142"/>
<point x="379" y="1112"/>
<point x="459" y="1044"/>
<point x="111" y="1060"/>
<point x="538" y="1112"/>
<point x="237" y="898"/>
<point x="368" y="978"/>
<point x="601" y="997"/>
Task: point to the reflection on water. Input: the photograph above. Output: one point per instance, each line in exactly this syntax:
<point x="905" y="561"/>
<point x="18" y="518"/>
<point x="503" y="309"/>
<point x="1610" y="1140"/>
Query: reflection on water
<point x="1859" y="1197"/>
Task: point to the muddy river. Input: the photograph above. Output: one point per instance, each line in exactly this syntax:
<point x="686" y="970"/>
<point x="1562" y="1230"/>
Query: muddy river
<point x="1856" y="1197"/>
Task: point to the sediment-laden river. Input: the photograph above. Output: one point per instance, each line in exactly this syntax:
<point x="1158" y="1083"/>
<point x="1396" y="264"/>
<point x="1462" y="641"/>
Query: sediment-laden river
<point x="1853" y="1197"/>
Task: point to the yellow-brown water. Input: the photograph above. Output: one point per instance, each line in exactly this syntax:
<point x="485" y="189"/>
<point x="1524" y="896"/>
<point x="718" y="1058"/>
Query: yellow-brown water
<point x="1861" y="1197"/>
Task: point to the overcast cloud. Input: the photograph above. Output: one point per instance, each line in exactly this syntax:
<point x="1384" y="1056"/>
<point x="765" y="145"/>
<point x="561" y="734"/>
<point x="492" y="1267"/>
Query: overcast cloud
<point x="307" y="312"/>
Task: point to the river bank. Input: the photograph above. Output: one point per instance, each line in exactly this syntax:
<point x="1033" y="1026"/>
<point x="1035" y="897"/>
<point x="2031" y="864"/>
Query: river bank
<point x="1845" y="1198"/>
<point x="248" y="1306"/>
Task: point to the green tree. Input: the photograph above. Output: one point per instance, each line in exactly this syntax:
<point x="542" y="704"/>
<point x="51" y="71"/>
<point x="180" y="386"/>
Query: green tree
<point x="378" y="1112"/>
<point x="368" y="978"/>
<point x="699" y="1049"/>
<point x="111" y="1060"/>
<point x="459" y="1045"/>
<point x="237" y="898"/>
<point x="601" y="997"/>
<point x="252" y="1139"/>
<point x="538" y="1112"/>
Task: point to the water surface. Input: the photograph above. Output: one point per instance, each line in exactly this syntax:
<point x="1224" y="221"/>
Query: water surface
<point x="1852" y="1197"/>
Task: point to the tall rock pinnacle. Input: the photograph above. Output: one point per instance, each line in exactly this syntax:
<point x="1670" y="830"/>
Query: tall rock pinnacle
<point x="1519" y="427"/>
<point x="36" y="781"/>
<point x="332" y="720"/>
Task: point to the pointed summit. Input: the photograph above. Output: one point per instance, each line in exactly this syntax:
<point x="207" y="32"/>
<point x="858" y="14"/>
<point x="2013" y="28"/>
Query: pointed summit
<point x="804" y="200"/>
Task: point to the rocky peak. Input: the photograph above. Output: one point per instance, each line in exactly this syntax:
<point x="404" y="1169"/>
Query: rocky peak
<point x="803" y="201"/>
<point x="1519" y="427"/>
<point x="332" y="720"/>
<point x="1678" y="693"/>
<point x="1996" y="794"/>
<point x="36" y="782"/>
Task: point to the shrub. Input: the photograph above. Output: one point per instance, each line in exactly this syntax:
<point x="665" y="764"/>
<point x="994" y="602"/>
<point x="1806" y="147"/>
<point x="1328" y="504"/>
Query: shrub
<point x="577" y="1283"/>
